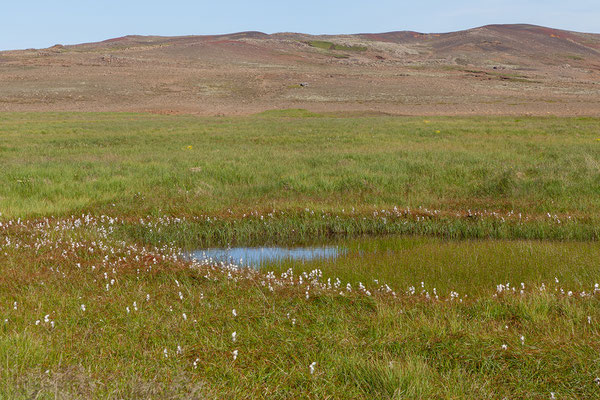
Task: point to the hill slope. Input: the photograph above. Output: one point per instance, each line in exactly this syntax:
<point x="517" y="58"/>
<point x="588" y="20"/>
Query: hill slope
<point x="497" y="69"/>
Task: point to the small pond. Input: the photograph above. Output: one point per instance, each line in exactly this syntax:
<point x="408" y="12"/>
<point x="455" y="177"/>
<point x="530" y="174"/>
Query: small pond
<point x="257" y="256"/>
<point x="403" y="261"/>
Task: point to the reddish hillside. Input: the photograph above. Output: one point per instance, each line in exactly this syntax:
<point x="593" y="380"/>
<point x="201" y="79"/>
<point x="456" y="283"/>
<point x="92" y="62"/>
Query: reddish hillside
<point x="494" y="69"/>
<point x="512" y="40"/>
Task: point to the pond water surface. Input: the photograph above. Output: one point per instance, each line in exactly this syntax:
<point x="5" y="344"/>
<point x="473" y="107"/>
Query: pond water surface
<point x="257" y="256"/>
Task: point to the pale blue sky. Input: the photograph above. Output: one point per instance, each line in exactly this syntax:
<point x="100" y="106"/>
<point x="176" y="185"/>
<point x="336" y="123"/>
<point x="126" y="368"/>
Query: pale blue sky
<point x="42" y="23"/>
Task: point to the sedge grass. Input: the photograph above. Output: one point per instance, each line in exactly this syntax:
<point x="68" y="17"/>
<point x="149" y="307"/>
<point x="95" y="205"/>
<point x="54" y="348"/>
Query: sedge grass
<point x="135" y="164"/>
<point x="364" y="346"/>
<point x="84" y="315"/>
<point x="471" y="266"/>
<point x="90" y="309"/>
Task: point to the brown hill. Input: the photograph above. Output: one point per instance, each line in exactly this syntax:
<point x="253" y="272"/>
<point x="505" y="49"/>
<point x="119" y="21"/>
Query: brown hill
<point x="497" y="69"/>
<point x="522" y="40"/>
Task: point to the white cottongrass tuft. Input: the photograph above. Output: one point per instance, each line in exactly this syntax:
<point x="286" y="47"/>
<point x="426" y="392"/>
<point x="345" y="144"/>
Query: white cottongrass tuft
<point x="312" y="366"/>
<point x="234" y="336"/>
<point x="82" y="307"/>
<point x="504" y="347"/>
<point x="234" y="312"/>
<point x="235" y="354"/>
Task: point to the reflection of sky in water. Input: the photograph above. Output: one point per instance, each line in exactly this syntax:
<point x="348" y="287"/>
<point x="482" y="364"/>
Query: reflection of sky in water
<point x="262" y="255"/>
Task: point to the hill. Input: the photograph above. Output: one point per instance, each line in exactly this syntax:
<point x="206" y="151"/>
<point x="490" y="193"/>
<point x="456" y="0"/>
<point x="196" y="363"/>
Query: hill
<point x="495" y="69"/>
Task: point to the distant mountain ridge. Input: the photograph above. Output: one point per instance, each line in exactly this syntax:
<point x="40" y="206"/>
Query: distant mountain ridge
<point x="513" y="32"/>
<point x="507" y="42"/>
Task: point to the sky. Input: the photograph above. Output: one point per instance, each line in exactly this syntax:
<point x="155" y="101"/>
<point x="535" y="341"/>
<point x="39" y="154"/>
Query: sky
<point x="43" y="23"/>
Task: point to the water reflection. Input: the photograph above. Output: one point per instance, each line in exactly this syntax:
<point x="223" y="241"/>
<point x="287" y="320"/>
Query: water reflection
<point x="256" y="256"/>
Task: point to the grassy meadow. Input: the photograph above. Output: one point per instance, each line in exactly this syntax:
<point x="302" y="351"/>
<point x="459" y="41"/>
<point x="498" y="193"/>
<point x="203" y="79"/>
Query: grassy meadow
<point x="135" y="165"/>
<point x="472" y="266"/>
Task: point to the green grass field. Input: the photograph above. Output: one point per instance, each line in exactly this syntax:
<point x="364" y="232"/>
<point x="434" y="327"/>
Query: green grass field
<point x="472" y="269"/>
<point x="144" y="164"/>
<point x="321" y="44"/>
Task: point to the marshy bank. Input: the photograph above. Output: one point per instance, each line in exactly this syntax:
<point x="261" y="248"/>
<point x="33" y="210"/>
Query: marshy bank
<point x="292" y="227"/>
<point x="467" y="266"/>
<point x="468" y="256"/>
<point x="87" y="314"/>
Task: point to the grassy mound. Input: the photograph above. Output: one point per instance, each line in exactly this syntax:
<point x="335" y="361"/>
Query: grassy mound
<point x="321" y="44"/>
